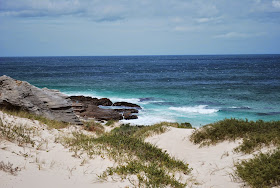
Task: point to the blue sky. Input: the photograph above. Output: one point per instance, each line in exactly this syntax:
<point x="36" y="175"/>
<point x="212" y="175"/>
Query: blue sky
<point x="138" y="27"/>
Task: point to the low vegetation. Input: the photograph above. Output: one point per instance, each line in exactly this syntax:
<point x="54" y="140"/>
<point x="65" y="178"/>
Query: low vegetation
<point x="150" y="175"/>
<point x="19" y="134"/>
<point x="152" y="166"/>
<point x="143" y="132"/>
<point x="264" y="169"/>
<point x="254" y="134"/>
<point x="8" y="167"/>
<point x="261" y="171"/>
<point x="50" y="123"/>
<point x="93" y="126"/>
<point x="110" y="122"/>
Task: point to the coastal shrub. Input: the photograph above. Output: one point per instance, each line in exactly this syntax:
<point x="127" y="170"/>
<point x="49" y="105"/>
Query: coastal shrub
<point x="142" y="132"/>
<point x="150" y="175"/>
<point x="150" y="164"/>
<point x="50" y="123"/>
<point x="93" y="127"/>
<point x="254" y="134"/>
<point x="261" y="171"/>
<point x="110" y="122"/>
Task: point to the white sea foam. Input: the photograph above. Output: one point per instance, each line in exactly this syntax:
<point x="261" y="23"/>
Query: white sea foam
<point x="148" y="120"/>
<point x="131" y="100"/>
<point x="200" y="109"/>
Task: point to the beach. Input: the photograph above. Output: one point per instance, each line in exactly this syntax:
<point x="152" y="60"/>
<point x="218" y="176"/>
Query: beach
<point x="49" y="163"/>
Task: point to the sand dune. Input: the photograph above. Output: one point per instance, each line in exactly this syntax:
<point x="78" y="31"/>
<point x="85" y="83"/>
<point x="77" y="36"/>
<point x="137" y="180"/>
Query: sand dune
<point x="49" y="163"/>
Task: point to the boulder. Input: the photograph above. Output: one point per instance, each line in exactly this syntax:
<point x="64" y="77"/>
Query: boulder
<point x="92" y="111"/>
<point x="20" y="95"/>
<point x="87" y="107"/>
<point x="91" y="100"/>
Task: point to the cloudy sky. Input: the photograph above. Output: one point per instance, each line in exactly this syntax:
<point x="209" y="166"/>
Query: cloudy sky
<point x="138" y="27"/>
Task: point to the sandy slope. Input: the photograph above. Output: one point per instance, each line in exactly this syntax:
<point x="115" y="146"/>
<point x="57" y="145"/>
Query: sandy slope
<point x="51" y="165"/>
<point x="212" y="166"/>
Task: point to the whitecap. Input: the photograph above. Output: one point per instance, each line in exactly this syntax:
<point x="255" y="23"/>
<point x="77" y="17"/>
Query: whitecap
<point x="148" y="120"/>
<point x="200" y="109"/>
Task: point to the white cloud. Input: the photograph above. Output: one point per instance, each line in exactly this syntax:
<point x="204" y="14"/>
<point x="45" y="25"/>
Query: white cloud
<point x="238" y="35"/>
<point x="209" y="19"/>
<point x="276" y="3"/>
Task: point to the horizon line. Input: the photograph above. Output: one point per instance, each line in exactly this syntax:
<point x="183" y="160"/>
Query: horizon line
<point x="142" y="55"/>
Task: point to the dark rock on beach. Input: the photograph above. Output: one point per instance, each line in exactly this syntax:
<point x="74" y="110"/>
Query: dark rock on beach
<point x="20" y="95"/>
<point x="89" y="107"/>
<point x="92" y="101"/>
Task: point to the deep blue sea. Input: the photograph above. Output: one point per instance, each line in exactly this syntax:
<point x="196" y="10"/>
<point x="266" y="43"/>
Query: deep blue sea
<point x="196" y="89"/>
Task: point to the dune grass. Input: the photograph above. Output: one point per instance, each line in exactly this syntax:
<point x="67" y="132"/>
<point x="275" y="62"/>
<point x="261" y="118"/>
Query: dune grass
<point x="93" y="126"/>
<point x="143" y="132"/>
<point x="8" y="167"/>
<point x="111" y="122"/>
<point x="254" y="134"/>
<point x="152" y="166"/>
<point x="50" y="123"/>
<point x="19" y="134"/>
<point x="262" y="171"/>
<point x="150" y="175"/>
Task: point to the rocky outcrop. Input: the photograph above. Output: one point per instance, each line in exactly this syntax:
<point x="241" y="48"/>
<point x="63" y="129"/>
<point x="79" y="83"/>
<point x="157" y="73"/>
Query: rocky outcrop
<point x="91" y="101"/>
<point x="20" y="95"/>
<point x="126" y="104"/>
<point x="89" y="107"/>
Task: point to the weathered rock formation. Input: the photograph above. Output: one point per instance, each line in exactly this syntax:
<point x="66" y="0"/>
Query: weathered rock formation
<point x="20" y="95"/>
<point x="126" y="104"/>
<point x="89" y="107"/>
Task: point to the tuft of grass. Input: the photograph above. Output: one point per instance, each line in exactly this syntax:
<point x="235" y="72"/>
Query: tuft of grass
<point x="9" y="168"/>
<point x="255" y="134"/>
<point x="143" y="132"/>
<point x="152" y="166"/>
<point x="150" y="175"/>
<point x="111" y="122"/>
<point x="20" y="134"/>
<point x="93" y="127"/>
<point x="262" y="171"/>
<point x="50" y="123"/>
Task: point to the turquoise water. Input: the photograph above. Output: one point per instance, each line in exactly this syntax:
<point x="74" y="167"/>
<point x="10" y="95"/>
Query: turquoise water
<point x="195" y="89"/>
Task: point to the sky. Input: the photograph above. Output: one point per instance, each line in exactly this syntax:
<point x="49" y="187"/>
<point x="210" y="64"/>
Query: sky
<point x="138" y="27"/>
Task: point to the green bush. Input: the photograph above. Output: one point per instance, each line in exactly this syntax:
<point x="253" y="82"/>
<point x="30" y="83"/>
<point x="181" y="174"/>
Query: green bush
<point x="255" y="134"/>
<point x="261" y="171"/>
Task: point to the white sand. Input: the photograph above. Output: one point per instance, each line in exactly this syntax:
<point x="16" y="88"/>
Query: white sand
<point x="51" y="164"/>
<point x="212" y="166"/>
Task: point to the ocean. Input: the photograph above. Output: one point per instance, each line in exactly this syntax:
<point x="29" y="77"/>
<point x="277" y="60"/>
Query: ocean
<point x="199" y="89"/>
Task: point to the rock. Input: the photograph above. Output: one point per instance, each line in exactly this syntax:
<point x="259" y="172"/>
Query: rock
<point x="92" y="111"/>
<point x="92" y="101"/>
<point x="20" y="95"/>
<point x="132" y="110"/>
<point x="87" y="107"/>
<point x="128" y="115"/>
<point x="126" y="104"/>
